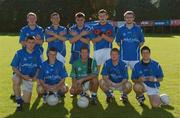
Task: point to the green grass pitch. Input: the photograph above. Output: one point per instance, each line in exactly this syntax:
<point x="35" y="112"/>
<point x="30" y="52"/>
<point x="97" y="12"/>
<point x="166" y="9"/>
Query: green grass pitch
<point x="165" y="49"/>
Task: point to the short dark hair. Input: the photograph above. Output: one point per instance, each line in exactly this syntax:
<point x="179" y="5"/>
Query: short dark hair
<point x="53" y="49"/>
<point x="30" y="38"/>
<point x="145" y="48"/>
<point x="114" y="50"/>
<point x="54" y="14"/>
<point x="79" y="15"/>
<point x="84" y="48"/>
<point x="102" y="11"/>
<point x="129" y="13"/>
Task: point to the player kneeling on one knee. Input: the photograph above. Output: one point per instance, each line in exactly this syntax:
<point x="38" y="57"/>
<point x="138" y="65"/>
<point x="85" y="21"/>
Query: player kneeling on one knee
<point x="25" y="65"/>
<point x="84" y="76"/>
<point x="115" y="77"/>
<point x="52" y="76"/>
<point x="147" y="75"/>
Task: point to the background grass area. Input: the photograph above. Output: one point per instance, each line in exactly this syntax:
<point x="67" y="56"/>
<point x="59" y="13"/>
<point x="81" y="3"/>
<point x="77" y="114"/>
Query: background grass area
<point x="165" y="49"/>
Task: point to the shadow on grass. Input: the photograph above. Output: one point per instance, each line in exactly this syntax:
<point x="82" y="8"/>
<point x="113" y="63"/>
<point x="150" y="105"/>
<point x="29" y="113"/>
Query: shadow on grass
<point x="113" y="110"/>
<point x="44" y="111"/>
<point x="9" y="34"/>
<point x="157" y="112"/>
<point x="161" y="35"/>
<point x="118" y="111"/>
<point x="93" y="111"/>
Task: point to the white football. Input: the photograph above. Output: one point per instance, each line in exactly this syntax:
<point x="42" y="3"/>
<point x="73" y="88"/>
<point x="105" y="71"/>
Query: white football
<point x="52" y="100"/>
<point x="83" y="102"/>
<point x="164" y="99"/>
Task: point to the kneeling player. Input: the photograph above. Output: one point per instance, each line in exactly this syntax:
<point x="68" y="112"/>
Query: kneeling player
<point x="115" y="77"/>
<point x="147" y="75"/>
<point x="84" y="72"/>
<point x="52" y="75"/>
<point x="25" y="65"/>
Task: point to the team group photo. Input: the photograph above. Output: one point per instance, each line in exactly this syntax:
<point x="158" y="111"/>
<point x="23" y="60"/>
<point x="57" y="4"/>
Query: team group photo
<point x="97" y="68"/>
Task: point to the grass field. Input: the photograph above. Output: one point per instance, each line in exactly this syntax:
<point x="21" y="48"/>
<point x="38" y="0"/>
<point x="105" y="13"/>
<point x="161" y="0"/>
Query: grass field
<point x="165" y="49"/>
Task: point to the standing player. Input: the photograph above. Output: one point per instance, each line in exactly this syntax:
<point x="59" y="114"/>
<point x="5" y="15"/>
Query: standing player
<point x="25" y="66"/>
<point x="52" y="75"/>
<point x="84" y="72"/>
<point x="147" y="75"/>
<point x="102" y="38"/>
<point x="32" y="29"/>
<point x="55" y="36"/>
<point x="130" y="38"/>
<point x="115" y="77"/>
<point x="79" y="36"/>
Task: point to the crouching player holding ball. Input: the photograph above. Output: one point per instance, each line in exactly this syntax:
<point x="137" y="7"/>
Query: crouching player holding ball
<point x="147" y="75"/>
<point x="115" y="77"/>
<point x="25" y="66"/>
<point x="52" y="76"/>
<point x="84" y="74"/>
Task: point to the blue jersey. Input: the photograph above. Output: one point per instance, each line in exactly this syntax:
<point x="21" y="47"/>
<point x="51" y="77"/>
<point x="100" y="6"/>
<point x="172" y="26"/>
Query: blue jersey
<point x="78" y="44"/>
<point x="27" y="31"/>
<point x="152" y="69"/>
<point x="99" y="29"/>
<point x="75" y="47"/>
<point x="59" y="45"/>
<point x="26" y="63"/>
<point x="52" y="74"/>
<point x="129" y="40"/>
<point x="116" y="73"/>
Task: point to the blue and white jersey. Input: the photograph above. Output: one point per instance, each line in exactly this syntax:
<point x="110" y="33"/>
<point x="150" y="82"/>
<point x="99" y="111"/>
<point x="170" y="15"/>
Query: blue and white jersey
<point x="152" y="69"/>
<point x="52" y="74"/>
<point x="116" y="73"/>
<point x="129" y="40"/>
<point x="75" y="47"/>
<point x="59" y="45"/>
<point x="99" y="29"/>
<point x="26" y="63"/>
<point x="27" y="31"/>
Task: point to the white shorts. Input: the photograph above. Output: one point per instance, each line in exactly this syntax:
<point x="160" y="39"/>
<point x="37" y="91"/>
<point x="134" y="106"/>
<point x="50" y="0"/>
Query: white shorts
<point x="151" y="91"/>
<point x="102" y="55"/>
<point x="26" y="85"/>
<point x="60" y="58"/>
<point x="130" y="64"/>
<point x="115" y="86"/>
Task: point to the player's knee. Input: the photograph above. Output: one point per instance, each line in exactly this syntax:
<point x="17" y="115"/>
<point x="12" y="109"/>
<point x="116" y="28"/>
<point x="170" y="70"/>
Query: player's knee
<point x="72" y="91"/>
<point x="95" y="81"/>
<point x="138" y="88"/>
<point x="40" y="90"/>
<point x="127" y="87"/>
<point x="101" y="82"/>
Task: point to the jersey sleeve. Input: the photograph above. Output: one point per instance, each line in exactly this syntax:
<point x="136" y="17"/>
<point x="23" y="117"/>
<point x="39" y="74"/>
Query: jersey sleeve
<point x="41" y="33"/>
<point x="125" y="72"/>
<point x="73" y="73"/>
<point x="16" y="60"/>
<point x="94" y="68"/>
<point x="141" y="36"/>
<point x="63" y="72"/>
<point x="119" y="36"/>
<point x="104" y="71"/>
<point x="47" y="35"/>
<point x="22" y="35"/>
<point x="41" y="73"/>
<point x="135" y="73"/>
<point x="159" y="72"/>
